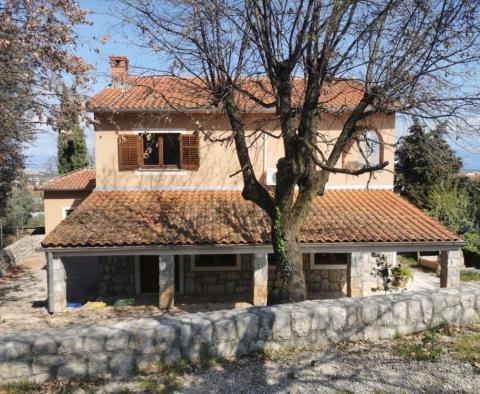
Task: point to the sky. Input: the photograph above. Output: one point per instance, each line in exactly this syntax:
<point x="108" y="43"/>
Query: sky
<point x="105" y="22"/>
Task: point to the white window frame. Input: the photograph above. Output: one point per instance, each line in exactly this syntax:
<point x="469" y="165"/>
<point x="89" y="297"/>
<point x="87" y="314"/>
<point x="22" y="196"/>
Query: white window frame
<point x="236" y="267"/>
<point x="314" y="266"/>
<point x="64" y="211"/>
<point x="161" y="131"/>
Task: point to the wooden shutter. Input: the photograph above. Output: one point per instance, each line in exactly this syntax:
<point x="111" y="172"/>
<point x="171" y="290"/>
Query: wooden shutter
<point x="189" y="151"/>
<point x="129" y="152"/>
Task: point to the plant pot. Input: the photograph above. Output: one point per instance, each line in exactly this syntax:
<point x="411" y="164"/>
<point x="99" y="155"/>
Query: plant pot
<point x="400" y="283"/>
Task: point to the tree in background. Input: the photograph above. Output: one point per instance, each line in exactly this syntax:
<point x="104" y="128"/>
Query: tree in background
<point x="72" y="149"/>
<point x="37" y="44"/>
<point x="423" y="160"/>
<point x="281" y="55"/>
<point x="451" y="205"/>
<point x="19" y="206"/>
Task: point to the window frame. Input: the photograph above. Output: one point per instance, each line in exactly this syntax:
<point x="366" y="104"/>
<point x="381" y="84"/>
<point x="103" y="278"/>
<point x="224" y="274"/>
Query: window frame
<point x="236" y="267"/>
<point x="64" y="211"/>
<point x="170" y="167"/>
<point x="314" y="266"/>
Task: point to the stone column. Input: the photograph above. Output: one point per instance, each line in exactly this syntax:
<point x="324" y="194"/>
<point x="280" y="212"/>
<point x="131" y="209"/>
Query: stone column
<point x="260" y="279"/>
<point x="357" y="263"/>
<point x="57" y="285"/>
<point x="450" y="264"/>
<point x="166" y="281"/>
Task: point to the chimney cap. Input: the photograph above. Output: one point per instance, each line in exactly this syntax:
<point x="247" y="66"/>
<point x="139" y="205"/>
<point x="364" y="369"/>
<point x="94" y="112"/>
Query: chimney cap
<point x="116" y="59"/>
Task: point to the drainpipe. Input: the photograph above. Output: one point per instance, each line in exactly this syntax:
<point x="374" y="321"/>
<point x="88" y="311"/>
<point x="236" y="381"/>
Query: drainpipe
<point x="50" y="280"/>
<point x="265" y="153"/>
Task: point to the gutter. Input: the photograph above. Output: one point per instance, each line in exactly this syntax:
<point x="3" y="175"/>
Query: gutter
<point x="331" y="247"/>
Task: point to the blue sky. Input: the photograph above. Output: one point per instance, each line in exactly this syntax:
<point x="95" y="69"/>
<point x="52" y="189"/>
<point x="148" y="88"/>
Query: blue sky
<point x="104" y="22"/>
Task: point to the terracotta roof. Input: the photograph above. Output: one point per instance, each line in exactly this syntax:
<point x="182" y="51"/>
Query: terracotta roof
<point x="166" y="92"/>
<point x="224" y="217"/>
<point x="83" y="179"/>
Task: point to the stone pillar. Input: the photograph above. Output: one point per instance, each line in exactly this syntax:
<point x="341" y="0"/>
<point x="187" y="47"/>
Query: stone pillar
<point x="166" y="281"/>
<point x="260" y="279"/>
<point x="450" y="264"/>
<point x="57" y="285"/>
<point x="357" y="263"/>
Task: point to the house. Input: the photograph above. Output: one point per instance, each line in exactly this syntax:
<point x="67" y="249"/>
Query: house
<point x="166" y="216"/>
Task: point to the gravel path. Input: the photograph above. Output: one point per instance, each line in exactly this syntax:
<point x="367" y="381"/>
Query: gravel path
<point x="366" y="369"/>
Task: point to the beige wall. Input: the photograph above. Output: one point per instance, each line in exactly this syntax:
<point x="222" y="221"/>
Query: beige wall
<point x="218" y="161"/>
<point x="54" y="203"/>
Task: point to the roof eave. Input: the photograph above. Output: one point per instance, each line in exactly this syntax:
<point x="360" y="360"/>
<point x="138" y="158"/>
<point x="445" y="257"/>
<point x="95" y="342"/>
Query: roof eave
<point x="339" y="247"/>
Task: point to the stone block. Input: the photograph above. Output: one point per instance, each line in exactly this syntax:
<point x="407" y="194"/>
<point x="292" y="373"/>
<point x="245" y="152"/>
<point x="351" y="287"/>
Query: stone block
<point x="117" y="341"/>
<point x="143" y="342"/>
<point x="338" y="318"/>
<point x="13" y="349"/>
<point x="44" y="345"/>
<point x="73" y="369"/>
<point x="148" y="363"/>
<point x="46" y="364"/>
<point x="122" y="364"/>
<point x="247" y="326"/>
<point x="281" y="329"/>
<point x="94" y="343"/>
<point x="230" y="287"/>
<point x="98" y="366"/>
<point x="202" y="330"/>
<point x="71" y="344"/>
<point x="165" y="336"/>
<point x="301" y="323"/>
<point x="15" y="369"/>
<point x="172" y="356"/>
<point x="369" y="312"/>
<point x="224" y="331"/>
<point x="216" y="289"/>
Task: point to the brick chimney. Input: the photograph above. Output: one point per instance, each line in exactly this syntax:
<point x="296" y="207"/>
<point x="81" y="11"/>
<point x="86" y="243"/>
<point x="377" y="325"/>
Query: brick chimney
<point x="119" y="71"/>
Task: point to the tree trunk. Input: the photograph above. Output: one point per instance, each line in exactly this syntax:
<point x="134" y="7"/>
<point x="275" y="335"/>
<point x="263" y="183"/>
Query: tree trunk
<point x="290" y="281"/>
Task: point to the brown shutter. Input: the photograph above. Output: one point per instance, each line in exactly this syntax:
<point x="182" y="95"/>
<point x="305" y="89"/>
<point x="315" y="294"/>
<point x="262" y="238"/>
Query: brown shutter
<point x="189" y="151"/>
<point x="128" y="152"/>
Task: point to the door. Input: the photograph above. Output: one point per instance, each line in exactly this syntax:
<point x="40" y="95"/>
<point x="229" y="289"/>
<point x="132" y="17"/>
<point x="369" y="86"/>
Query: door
<point x="149" y="274"/>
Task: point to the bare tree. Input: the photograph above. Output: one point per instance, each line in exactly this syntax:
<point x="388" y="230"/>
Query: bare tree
<point x="412" y="57"/>
<point x="37" y="43"/>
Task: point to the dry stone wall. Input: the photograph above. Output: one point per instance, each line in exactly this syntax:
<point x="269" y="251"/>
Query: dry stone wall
<point x="123" y="348"/>
<point x="18" y="251"/>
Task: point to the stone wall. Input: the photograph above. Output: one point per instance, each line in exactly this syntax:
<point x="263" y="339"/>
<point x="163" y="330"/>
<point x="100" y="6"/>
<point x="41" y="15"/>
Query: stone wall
<point x="219" y="282"/>
<point x="319" y="281"/>
<point x="117" y="276"/>
<point x="18" y="251"/>
<point x="103" y="351"/>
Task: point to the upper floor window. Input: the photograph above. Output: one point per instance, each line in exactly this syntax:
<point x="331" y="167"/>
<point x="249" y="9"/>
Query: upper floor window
<point x="158" y="150"/>
<point x="366" y="149"/>
<point x="161" y="150"/>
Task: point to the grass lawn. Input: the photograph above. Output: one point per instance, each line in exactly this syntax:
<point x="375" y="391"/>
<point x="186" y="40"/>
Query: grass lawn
<point x="469" y="276"/>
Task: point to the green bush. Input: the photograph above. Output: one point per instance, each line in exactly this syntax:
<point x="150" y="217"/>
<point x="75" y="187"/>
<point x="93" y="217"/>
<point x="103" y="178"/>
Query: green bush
<point x="473" y="242"/>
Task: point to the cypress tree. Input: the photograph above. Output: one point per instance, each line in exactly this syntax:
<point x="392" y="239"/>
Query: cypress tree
<point x="423" y="160"/>
<point x="72" y="148"/>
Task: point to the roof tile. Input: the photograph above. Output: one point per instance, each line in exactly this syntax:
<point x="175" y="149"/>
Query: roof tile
<point x="167" y="92"/>
<point x="83" y="179"/>
<point x="224" y="217"/>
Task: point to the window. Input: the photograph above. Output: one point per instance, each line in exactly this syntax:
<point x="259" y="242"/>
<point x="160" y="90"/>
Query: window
<point x="272" y="264"/>
<point x="368" y="149"/>
<point x="216" y="262"/>
<point x="328" y="260"/>
<point x="158" y="150"/>
<point x="161" y="150"/>
<point x="67" y="211"/>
